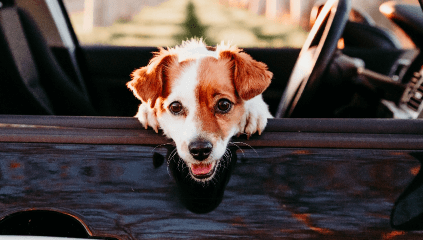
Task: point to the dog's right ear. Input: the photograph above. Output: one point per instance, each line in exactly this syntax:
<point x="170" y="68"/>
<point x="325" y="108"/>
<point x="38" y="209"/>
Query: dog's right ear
<point x="250" y="77"/>
<point x="147" y="82"/>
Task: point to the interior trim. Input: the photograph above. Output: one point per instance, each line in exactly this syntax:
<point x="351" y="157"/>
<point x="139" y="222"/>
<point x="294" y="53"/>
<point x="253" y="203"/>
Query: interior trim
<point x="393" y="134"/>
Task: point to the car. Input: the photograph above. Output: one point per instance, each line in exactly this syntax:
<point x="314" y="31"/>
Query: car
<point x="342" y="158"/>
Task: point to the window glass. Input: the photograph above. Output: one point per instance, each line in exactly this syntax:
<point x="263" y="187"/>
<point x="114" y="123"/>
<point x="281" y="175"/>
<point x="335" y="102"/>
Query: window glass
<point x="167" y="23"/>
<point x="246" y="23"/>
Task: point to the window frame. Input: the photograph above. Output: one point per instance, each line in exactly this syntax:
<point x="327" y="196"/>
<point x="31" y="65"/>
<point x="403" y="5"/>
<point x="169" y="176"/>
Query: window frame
<point x="398" y="134"/>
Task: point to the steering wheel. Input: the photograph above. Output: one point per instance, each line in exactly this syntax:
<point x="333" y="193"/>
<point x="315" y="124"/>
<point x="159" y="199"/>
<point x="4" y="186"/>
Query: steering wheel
<point x="314" y="58"/>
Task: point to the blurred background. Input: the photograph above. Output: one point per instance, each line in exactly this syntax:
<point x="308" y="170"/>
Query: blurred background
<point x="246" y="23"/>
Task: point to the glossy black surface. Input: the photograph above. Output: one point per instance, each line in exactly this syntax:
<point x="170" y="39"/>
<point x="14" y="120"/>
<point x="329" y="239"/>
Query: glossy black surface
<point x="273" y="192"/>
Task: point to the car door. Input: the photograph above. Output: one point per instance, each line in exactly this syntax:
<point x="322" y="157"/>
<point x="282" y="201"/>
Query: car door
<point x="304" y="178"/>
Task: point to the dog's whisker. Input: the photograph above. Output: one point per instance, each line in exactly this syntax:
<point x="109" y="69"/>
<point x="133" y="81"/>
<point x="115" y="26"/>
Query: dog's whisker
<point x="172" y="154"/>
<point x="183" y="167"/>
<point x="170" y="158"/>
<point x="161" y="145"/>
<point x="180" y="165"/>
<point x="226" y="154"/>
<point x="234" y="143"/>
<point x="229" y="152"/>
<point x="224" y="163"/>
<point x="244" y="144"/>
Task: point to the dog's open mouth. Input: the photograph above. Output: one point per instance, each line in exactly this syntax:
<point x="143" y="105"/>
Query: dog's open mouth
<point x="202" y="170"/>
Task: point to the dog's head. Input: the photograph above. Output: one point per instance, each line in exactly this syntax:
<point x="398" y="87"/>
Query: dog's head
<point x="198" y="96"/>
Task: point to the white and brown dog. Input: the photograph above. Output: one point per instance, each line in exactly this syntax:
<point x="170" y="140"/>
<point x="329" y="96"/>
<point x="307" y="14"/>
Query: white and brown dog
<point x="200" y="97"/>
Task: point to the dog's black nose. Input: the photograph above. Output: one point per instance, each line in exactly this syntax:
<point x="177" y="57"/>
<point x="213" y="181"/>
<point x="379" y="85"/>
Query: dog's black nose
<point x="200" y="149"/>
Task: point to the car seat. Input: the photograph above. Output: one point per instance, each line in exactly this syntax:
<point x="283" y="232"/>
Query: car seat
<point x="32" y="81"/>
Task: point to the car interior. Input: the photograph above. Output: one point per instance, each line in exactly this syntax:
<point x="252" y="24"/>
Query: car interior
<point x="41" y="78"/>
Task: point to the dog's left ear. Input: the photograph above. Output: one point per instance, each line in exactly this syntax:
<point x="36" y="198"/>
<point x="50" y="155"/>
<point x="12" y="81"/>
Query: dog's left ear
<point x="148" y="82"/>
<point x="250" y="77"/>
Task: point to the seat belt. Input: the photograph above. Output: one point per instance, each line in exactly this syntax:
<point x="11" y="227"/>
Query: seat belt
<point x="12" y="29"/>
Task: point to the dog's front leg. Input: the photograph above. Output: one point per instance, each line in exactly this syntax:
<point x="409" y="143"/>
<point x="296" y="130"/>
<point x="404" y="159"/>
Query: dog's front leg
<point x="147" y="116"/>
<point x="255" y="116"/>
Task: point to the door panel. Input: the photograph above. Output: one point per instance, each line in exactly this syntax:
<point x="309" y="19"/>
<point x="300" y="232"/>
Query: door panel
<point x="273" y="192"/>
<point x="292" y="181"/>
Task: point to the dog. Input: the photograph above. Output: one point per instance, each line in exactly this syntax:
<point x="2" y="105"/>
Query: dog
<point x="201" y="97"/>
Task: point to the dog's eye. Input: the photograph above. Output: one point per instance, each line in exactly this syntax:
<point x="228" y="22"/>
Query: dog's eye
<point x="224" y="105"/>
<point x="176" y="108"/>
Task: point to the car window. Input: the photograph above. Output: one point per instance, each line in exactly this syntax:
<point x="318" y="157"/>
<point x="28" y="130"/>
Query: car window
<point x="167" y="22"/>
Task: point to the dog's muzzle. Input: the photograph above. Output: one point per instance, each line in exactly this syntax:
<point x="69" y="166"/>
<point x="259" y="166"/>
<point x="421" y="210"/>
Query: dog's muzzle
<point x="200" y="150"/>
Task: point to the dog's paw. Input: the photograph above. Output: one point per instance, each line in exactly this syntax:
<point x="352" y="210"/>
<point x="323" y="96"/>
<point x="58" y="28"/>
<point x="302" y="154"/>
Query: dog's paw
<point x="255" y="116"/>
<point x="147" y="116"/>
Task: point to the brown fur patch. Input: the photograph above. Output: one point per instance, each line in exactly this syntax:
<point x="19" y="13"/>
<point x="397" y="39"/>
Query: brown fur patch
<point x="250" y="77"/>
<point x="215" y="83"/>
<point x="154" y="81"/>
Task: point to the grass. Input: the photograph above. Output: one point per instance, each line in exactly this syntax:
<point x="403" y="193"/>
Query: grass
<point x="192" y="27"/>
<point x="171" y="22"/>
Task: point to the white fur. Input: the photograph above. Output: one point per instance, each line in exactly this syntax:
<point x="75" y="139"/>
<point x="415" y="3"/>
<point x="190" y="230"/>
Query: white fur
<point x="195" y="50"/>
<point x="255" y="116"/>
<point x="180" y="128"/>
<point x="147" y="116"/>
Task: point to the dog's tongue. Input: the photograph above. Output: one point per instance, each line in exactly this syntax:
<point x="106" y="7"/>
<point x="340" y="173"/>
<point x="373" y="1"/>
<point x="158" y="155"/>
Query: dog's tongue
<point x="201" y="169"/>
